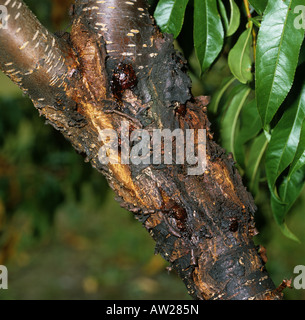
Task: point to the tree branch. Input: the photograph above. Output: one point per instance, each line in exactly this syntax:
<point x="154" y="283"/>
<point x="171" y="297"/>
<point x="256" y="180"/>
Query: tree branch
<point x="34" y="59"/>
<point x="203" y="225"/>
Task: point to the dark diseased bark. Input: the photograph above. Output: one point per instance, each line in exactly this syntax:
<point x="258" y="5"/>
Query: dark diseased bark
<point x="203" y="225"/>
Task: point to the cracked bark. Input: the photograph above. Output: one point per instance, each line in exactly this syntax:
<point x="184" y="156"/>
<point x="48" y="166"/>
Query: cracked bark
<point x="203" y="225"/>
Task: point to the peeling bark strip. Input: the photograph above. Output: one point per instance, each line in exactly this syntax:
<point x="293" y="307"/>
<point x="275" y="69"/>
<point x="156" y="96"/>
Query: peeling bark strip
<point x="116" y="66"/>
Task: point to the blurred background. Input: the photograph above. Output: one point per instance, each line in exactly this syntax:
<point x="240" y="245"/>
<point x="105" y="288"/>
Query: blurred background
<point x="62" y="235"/>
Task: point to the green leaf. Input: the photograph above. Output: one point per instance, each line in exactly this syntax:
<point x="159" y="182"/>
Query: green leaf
<point x="284" y="142"/>
<point x="169" y="15"/>
<point x="208" y="32"/>
<point x="257" y="21"/>
<point x="229" y="123"/>
<point x="234" y="19"/>
<point x="250" y="122"/>
<point x="256" y="153"/>
<point x="239" y="60"/>
<point x="259" y="5"/>
<point x="213" y="107"/>
<point x="223" y="12"/>
<point x="230" y="25"/>
<point x="289" y="191"/>
<point x="276" y="207"/>
<point x="278" y="48"/>
<point x="293" y="183"/>
<point x="299" y="159"/>
<point x="250" y="126"/>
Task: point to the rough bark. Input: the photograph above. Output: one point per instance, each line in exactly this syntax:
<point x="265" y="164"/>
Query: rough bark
<point x="203" y="225"/>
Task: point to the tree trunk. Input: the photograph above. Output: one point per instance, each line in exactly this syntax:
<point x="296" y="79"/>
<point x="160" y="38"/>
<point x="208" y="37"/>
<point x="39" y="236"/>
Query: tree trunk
<point x="116" y="66"/>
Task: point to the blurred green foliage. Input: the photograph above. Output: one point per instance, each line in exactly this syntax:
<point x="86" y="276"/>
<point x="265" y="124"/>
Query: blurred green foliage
<point x="62" y="235"/>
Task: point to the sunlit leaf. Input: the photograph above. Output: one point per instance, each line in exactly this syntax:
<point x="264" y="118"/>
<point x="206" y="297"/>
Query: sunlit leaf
<point x="278" y="50"/>
<point x="169" y="15"/>
<point x="234" y="19"/>
<point x="208" y="32"/>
